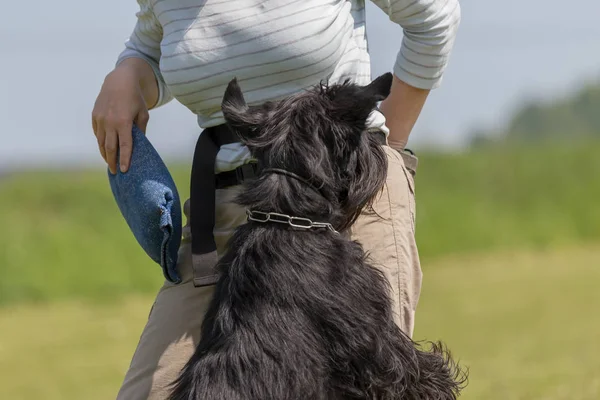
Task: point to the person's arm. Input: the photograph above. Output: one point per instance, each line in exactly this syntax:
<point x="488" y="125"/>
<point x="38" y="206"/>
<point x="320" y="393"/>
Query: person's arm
<point x="430" y="28"/>
<point x="130" y="90"/>
<point x="142" y="72"/>
<point x="144" y="44"/>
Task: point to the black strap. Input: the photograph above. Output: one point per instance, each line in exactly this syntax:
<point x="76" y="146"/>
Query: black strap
<point x="222" y="135"/>
<point x="202" y="194"/>
<point x="203" y="186"/>
<point x="237" y="176"/>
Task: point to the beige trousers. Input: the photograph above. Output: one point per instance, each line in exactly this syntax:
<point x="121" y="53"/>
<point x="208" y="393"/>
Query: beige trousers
<point x="173" y="328"/>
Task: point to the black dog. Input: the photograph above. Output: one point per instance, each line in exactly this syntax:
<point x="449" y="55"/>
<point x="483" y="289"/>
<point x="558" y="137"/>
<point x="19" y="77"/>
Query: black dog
<point x="298" y="313"/>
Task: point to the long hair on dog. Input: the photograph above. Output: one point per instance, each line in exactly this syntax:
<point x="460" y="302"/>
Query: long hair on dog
<point x="299" y="314"/>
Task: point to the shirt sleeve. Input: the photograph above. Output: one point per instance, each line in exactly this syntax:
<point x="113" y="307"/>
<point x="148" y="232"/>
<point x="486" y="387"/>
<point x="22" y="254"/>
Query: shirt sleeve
<point x="430" y="27"/>
<point x="144" y="43"/>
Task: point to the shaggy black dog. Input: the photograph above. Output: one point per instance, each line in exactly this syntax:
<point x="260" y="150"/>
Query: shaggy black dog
<point x="298" y="313"/>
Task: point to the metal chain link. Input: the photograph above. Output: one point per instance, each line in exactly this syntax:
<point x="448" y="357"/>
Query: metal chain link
<point x="296" y="222"/>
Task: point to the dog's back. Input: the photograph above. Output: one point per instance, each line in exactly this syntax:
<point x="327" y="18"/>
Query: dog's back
<point x="264" y="336"/>
<point x="298" y="313"/>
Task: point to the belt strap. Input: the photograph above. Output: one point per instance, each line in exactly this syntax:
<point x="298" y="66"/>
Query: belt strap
<point x="202" y="193"/>
<point x="202" y="202"/>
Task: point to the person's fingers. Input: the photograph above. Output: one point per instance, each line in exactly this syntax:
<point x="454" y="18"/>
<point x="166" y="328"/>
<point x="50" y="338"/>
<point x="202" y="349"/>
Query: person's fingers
<point x="111" y="144"/>
<point x="142" y="119"/>
<point x="98" y="125"/>
<point x="94" y="125"/>
<point x="125" y="145"/>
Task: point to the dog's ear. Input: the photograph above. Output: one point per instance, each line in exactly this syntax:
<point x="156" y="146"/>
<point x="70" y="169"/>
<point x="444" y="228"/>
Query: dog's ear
<point x="380" y="88"/>
<point x="366" y="173"/>
<point x="353" y="104"/>
<point x="238" y="116"/>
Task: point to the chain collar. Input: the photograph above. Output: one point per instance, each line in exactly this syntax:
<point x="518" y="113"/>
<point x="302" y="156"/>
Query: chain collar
<point x="296" y="222"/>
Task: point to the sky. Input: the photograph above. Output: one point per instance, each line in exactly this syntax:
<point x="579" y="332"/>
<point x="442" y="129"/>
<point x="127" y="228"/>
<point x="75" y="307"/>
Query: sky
<point x="54" y="56"/>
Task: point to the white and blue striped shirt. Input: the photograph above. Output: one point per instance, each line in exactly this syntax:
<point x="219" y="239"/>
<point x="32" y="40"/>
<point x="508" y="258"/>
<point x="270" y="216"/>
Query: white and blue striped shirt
<point x="279" y="47"/>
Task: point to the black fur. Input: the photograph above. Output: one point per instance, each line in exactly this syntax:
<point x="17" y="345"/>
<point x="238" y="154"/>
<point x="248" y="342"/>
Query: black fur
<point x="301" y="315"/>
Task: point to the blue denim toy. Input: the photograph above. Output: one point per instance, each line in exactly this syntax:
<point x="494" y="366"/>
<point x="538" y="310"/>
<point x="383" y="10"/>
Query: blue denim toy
<point x="148" y="199"/>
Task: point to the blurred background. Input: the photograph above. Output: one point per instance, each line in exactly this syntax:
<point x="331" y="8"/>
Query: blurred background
<point x="508" y="193"/>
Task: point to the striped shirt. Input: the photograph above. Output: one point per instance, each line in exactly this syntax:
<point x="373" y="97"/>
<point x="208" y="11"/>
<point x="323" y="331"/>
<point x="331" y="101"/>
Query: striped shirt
<point x="279" y="47"/>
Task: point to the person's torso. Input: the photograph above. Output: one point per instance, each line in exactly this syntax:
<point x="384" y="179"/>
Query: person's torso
<point x="274" y="48"/>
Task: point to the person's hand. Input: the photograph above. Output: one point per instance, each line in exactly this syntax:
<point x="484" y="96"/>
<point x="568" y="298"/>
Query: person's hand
<point x="119" y="104"/>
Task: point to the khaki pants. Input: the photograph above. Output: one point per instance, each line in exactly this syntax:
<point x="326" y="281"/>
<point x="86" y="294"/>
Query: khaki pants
<point x="173" y="328"/>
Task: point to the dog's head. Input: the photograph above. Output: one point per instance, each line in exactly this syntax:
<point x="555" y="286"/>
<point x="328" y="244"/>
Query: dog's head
<point x="320" y="135"/>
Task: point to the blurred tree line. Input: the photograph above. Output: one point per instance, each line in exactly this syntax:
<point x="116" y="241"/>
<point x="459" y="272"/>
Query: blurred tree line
<point x="572" y="118"/>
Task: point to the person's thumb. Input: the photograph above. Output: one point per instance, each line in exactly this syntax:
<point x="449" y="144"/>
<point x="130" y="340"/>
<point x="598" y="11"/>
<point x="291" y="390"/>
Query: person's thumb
<point x="141" y="120"/>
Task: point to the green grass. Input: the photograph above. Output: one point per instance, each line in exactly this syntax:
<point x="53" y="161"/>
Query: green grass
<point x="506" y="198"/>
<point x="64" y="237"/>
<point x="525" y="323"/>
<point x="68" y="350"/>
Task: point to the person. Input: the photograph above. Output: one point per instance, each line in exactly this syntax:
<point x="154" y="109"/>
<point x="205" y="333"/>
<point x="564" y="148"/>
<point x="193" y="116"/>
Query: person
<point x="189" y="50"/>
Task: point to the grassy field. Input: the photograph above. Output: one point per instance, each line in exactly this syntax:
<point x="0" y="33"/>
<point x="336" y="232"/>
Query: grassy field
<point x="535" y="197"/>
<point x="525" y="323"/>
<point x="509" y="239"/>
<point x="64" y="236"/>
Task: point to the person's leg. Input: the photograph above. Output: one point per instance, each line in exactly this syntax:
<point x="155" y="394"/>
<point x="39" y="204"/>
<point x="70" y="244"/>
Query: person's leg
<point x="173" y="328"/>
<point x="169" y="338"/>
<point x="387" y="234"/>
